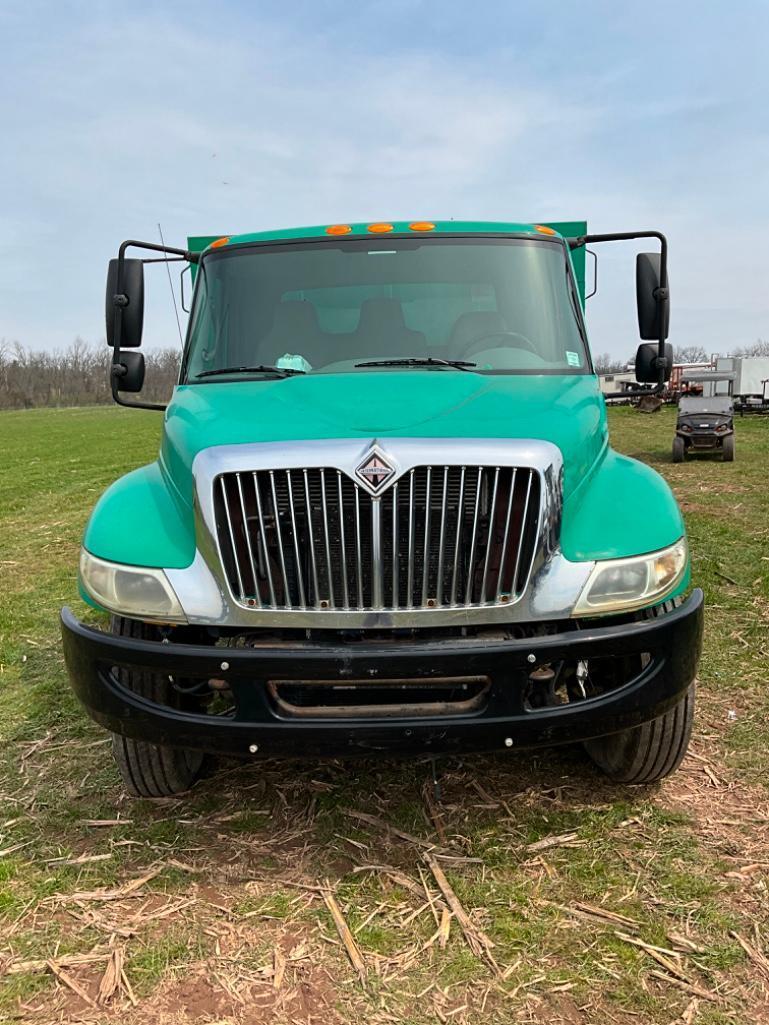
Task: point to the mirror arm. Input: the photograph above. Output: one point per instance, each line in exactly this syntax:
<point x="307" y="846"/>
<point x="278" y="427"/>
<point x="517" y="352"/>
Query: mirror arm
<point x="120" y="301"/>
<point x="662" y="294"/>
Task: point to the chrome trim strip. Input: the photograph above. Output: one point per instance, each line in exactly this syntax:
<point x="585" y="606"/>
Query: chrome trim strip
<point x="426" y="545"/>
<point x="474" y="541"/>
<point x="341" y="537"/>
<point x="247" y="532"/>
<point x="295" y="534"/>
<point x="324" y="506"/>
<point x="396" y="550"/>
<point x="503" y="555"/>
<point x="313" y="563"/>
<point x="410" y="558"/>
<point x="359" y="556"/>
<point x="263" y="540"/>
<point x="442" y="536"/>
<point x="524" y="524"/>
<point x="278" y="534"/>
<point x="492" y="517"/>
<point x="235" y="559"/>
<point x="377" y="569"/>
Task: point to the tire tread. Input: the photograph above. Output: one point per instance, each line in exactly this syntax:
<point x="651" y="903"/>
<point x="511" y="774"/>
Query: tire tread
<point x="149" y="770"/>
<point x="653" y="750"/>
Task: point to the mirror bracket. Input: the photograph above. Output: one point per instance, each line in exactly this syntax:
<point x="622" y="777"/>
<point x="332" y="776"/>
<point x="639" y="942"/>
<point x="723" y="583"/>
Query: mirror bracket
<point x="121" y="301"/>
<point x="661" y="294"/>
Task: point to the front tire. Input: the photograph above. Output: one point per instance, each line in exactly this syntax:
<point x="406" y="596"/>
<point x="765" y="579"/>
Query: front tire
<point x="151" y="770"/>
<point x="727" y="451"/>
<point x="679" y="449"/>
<point x="650" y="752"/>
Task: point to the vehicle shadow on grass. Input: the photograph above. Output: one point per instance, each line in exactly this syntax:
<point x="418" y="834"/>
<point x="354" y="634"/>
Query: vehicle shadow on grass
<point x="330" y="817"/>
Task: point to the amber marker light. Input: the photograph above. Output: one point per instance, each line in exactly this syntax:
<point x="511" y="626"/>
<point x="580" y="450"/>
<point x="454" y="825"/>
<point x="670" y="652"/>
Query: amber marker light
<point x="422" y="226"/>
<point x="380" y="229"/>
<point x="220" y="242"/>
<point x="338" y="229"/>
<point x="543" y="228"/>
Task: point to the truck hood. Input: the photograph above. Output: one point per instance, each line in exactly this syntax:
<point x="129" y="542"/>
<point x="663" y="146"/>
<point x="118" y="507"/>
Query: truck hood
<point x="564" y="409"/>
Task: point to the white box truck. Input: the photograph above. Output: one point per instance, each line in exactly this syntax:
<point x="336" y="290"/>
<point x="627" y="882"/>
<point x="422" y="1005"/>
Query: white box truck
<point x="751" y="377"/>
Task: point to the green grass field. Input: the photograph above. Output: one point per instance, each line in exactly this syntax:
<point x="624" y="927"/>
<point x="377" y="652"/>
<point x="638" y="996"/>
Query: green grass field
<point x="603" y="904"/>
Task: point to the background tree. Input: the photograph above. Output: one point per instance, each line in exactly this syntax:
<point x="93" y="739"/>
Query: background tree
<point x="78" y="376"/>
<point x="690" y="354"/>
<point x="758" y="348"/>
<point x="605" y="363"/>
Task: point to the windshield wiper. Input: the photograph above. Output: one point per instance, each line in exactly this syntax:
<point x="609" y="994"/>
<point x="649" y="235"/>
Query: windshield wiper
<point x="420" y="361"/>
<point x="260" y="369"/>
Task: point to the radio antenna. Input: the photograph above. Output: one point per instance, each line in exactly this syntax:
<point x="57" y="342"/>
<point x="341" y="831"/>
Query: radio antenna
<point x="171" y="286"/>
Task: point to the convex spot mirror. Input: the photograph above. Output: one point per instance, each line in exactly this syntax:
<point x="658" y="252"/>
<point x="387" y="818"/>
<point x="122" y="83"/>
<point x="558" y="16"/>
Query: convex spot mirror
<point x="647" y="363"/>
<point x="653" y="307"/>
<point x="128" y="303"/>
<point x="129" y="372"/>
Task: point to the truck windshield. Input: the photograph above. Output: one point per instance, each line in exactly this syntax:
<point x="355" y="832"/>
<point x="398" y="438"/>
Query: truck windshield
<point x="505" y="305"/>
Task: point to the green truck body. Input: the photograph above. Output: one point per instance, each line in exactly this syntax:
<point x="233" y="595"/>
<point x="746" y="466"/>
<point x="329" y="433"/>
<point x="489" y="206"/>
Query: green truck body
<point x="436" y="551"/>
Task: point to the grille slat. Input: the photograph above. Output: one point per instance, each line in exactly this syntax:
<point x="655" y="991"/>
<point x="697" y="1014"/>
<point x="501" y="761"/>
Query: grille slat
<point x="506" y="536"/>
<point x="440" y="537"/>
<point x="343" y="546"/>
<point x="490" y="547"/>
<point x="279" y="536"/>
<point x="247" y="532"/>
<point x="263" y="541"/>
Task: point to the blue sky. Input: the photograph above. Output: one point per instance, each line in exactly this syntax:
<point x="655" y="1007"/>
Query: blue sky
<point x="234" y="116"/>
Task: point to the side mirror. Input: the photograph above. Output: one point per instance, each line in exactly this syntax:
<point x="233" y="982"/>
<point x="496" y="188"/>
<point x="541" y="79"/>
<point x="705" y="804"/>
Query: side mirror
<point x="129" y="372"/>
<point x="653" y="301"/>
<point x="647" y="363"/>
<point x="130" y="300"/>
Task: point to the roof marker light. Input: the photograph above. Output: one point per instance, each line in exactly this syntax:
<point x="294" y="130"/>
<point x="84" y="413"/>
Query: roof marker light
<point x="380" y="229"/>
<point x="220" y="242"/>
<point x="338" y="229"/>
<point x="422" y="226"/>
<point x="543" y="228"/>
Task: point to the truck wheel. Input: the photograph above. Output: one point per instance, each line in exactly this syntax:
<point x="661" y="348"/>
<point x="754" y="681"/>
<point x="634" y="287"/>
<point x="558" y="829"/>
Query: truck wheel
<point x="727" y="451"/>
<point x="646" y="753"/>
<point x="151" y="770"/>
<point x="679" y="449"/>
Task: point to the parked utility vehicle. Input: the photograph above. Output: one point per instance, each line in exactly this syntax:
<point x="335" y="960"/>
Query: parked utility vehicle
<point x="385" y="515"/>
<point x="704" y="422"/>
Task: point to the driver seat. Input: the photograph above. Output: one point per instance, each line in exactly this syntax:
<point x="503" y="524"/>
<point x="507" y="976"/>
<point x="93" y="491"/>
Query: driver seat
<point x="295" y="329"/>
<point x="469" y="327"/>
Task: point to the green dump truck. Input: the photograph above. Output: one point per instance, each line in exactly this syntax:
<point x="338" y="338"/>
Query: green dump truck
<point x="385" y="516"/>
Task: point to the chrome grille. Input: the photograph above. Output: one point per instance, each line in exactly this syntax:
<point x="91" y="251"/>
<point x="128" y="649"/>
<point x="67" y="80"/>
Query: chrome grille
<point x="439" y="537"/>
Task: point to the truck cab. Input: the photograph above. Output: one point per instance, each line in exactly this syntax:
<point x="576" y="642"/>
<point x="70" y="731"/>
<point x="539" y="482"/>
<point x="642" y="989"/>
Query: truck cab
<point x="385" y="515"/>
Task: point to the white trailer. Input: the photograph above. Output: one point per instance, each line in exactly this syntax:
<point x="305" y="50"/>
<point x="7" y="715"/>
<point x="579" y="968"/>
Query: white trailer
<point x="621" y="381"/>
<point x="751" y="375"/>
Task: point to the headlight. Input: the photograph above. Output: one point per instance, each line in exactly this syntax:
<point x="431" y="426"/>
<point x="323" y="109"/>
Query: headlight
<point x="618" y="584"/>
<point x="134" y="591"/>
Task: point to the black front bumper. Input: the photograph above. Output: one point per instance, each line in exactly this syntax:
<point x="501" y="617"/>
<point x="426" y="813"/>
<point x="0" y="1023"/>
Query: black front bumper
<point x="673" y="641"/>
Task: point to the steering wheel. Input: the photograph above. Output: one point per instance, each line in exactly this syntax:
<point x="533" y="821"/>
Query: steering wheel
<point x="478" y="344"/>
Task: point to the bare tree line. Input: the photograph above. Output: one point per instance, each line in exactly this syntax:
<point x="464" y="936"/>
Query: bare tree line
<point x="605" y="363"/>
<point x="77" y="376"/>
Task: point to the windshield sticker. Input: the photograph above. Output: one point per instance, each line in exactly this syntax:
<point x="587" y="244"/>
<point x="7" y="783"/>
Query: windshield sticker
<point x="572" y="358"/>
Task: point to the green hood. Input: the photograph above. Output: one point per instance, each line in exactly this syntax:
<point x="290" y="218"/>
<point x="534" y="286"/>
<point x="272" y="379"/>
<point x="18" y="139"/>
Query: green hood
<point x="566" y="410"/>
<point x="622" y="508"/>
